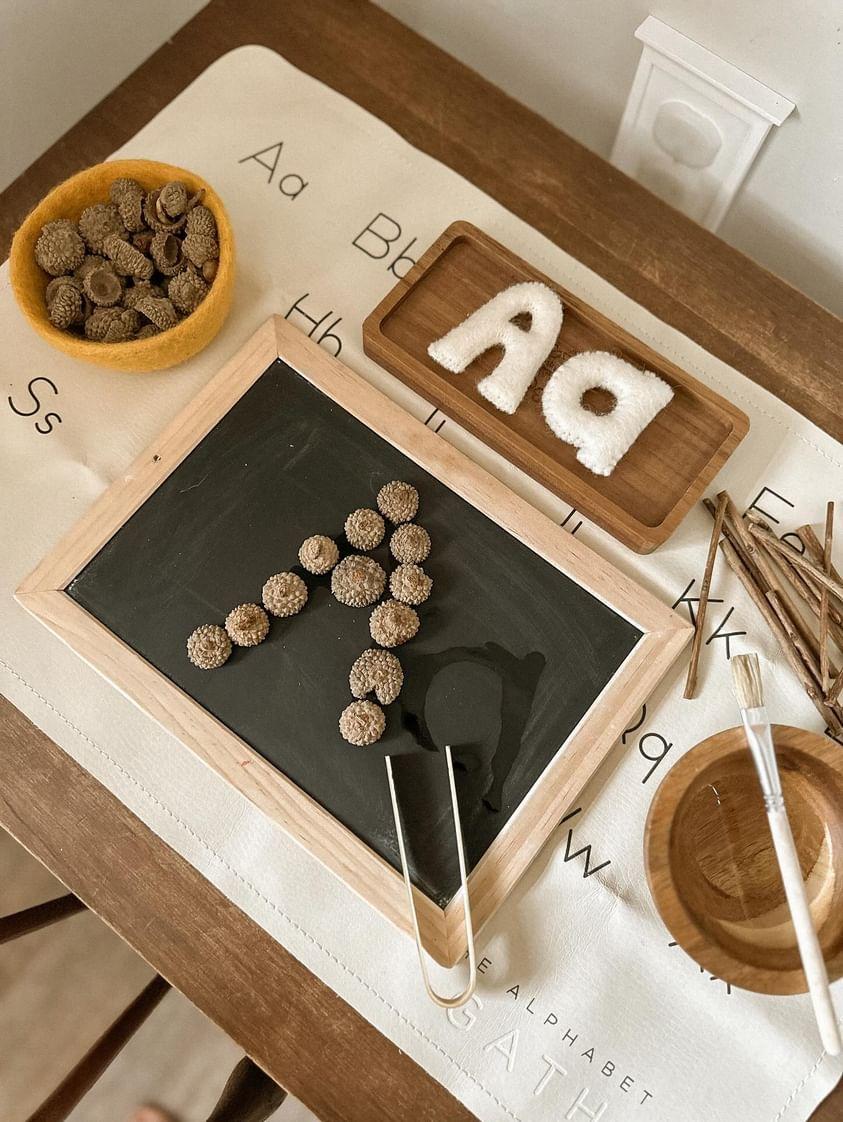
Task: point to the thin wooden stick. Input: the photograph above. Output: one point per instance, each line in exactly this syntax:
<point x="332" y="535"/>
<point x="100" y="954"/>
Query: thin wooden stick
<point x="812" y="543"/>
<point x="812" y="604"/>
<point x="764" y="567"/>
<point x="792" y="575"/>
<point x="793" y="635"/>
<point x="753" y="555"/>
<point x="829" y="533"/>
<point x="834" y="691"/>
<point x="811" y="593"/>
<point x="796" y="558"/>
<point x="771" y="619"/>
<point x="693" y="667"/>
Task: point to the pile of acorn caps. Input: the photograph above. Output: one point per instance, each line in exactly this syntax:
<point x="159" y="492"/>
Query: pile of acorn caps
<point x="130" y="267"/>
<point x="358" y="581"/>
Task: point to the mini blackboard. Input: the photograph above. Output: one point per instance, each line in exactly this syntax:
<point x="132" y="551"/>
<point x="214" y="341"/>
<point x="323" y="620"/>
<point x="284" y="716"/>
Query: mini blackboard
<point x="513" y="654"/>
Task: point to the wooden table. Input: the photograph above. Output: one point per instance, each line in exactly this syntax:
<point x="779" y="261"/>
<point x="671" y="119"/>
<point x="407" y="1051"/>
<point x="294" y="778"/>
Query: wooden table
<point x="286" y="1019"/>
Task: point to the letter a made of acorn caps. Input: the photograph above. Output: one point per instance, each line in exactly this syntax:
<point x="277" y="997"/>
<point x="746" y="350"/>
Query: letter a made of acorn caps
<point x="247" y="625"/>
<point x="410" y="544"/>
<point x="399" y="502"/>
<point x="284" y="594"/>
<point x="318" y="554"/>
<point x="410" y="583"/>
<point x="393" y="623"/>
<point x="358" y="581"/>
<point x="362" y="723"/>
<point x="364" y="529"/>
<point x="208" y="646"/>
<point x="379" y="672"/>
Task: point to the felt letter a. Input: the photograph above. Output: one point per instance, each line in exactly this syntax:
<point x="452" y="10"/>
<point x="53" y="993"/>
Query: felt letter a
<point x="601" y="440"/>
<point x="491" y="326"/>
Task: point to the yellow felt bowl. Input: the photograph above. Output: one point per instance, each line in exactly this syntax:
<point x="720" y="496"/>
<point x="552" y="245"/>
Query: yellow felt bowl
<point x="68" y="200"/>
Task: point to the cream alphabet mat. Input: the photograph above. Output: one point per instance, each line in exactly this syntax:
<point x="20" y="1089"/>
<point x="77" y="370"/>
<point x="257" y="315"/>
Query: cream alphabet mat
<point x="584" y="1009"/>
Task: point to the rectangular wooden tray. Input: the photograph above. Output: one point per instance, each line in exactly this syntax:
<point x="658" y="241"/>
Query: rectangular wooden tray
<point x="194" y="526"/>
<point x="664" y="473"/>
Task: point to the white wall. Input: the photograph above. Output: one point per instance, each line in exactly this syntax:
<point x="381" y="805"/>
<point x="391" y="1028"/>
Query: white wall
<point x="573" y="62"/>
<point x="58" y="58"/>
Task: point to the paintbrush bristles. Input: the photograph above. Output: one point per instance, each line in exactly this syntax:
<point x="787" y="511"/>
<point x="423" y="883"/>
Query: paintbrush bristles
<point x="746" y="678"/>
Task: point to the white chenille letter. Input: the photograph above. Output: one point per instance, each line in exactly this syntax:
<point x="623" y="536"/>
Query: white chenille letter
<point x="602" y="439"/>
<point x="491" y="326"/>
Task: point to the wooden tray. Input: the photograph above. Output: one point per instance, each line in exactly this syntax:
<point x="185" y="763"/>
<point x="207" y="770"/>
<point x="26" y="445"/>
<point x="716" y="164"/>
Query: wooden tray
<point x="285" y="441"/>
<point x="658" y="480"/>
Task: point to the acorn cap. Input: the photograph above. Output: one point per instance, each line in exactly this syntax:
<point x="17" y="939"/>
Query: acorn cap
<point x="318" y="554"/>
<point x="200" y="220"/>
<point x="111" y="325"/>
<point x="57" y="283"/>
<point x="208" y="646"/>
<point x="284" y="594"/>
<point x="158" y="310"/>
<point x="166" y="252"/>
<point x="247" y="625"/>
<point x="98" y="222"/>
<point x="410" y="544"/>
<point x="122" y="186"/>
<point x="199" y="249"/>
<point x="187" y="290"/>
<point x="378" y="671"/>
<point x="393" y="623"/>
<point x="172" y="200"/>
<point x="364" y="529"/>
<point x="153" y="216"/>
<point x="59" y="248"/>
<point x="66" y="307"/>
<point x="358" y="581"/>
<point x="102" y="286"/>
<point x="410" y="584"/>
<point x="127" y="260"/>
<point x="127" y="195"/>
<point x="138" y="290"/>
<point x="362" y="723"/>
<point x="397" y="501"/>
<point x="91" y="261"/>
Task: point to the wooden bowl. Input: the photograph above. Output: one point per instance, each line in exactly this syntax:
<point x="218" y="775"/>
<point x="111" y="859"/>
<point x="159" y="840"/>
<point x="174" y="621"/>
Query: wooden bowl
<point x="68" y="200"/>
<point x="712" y="868"/>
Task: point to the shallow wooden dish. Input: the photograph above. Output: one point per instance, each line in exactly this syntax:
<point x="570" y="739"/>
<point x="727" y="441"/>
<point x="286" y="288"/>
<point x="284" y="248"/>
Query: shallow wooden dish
<point x="711" y="866"/>
<point x="662" y="475"/>
<point x="68" y="200"/>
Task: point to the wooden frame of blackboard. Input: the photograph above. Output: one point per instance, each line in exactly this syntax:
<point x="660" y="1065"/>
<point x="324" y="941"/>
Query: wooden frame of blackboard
<point x="664" y="634"/>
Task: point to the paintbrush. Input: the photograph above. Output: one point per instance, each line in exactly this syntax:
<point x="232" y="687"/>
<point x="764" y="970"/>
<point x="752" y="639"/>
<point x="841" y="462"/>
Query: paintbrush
<point x="746" y="675"/>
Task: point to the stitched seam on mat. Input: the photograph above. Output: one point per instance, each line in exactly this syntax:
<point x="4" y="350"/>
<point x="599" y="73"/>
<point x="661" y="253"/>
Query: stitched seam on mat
<point x="257" y="892"/>
<point x="798" y="1088"/>
<point x="695" y="367"/>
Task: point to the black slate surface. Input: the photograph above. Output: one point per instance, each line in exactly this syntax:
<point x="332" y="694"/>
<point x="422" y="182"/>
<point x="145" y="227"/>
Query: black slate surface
<point x="510" y="653"/>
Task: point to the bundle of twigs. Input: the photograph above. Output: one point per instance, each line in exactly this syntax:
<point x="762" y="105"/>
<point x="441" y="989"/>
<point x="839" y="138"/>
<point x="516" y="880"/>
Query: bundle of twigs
<point x="798" y="593"/>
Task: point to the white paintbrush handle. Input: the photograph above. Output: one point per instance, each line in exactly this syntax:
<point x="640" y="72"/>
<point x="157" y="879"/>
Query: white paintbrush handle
<point x="806" y="937"/>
